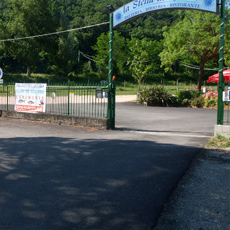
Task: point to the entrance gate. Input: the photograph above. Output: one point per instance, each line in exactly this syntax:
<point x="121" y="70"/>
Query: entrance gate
<point x="139" y="8"/>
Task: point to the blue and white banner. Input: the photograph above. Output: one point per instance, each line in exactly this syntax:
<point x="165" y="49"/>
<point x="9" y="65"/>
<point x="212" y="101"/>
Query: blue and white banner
<point x="137" y="8"/>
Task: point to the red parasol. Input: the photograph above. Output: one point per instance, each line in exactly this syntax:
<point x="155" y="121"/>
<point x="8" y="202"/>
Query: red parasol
<point x="215" y="78"/>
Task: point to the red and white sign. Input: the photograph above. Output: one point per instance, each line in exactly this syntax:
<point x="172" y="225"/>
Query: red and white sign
<point x="30" y="98"/>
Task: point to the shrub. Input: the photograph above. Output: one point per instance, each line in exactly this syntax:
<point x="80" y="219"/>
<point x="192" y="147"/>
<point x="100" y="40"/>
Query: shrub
<point x="185" y="97"/>
<point x="198" y="102"/>
<point x="156" y="96"/>
<point x="210" y="98"/>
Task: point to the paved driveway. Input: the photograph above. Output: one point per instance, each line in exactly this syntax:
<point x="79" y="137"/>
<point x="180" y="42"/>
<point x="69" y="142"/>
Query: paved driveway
<point x="61" y="177"/>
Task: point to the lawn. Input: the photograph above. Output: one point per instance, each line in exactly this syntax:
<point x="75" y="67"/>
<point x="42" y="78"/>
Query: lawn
<point x="130" y="89"/>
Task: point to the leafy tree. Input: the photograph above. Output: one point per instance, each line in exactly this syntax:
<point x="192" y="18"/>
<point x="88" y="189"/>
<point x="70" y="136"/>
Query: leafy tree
<point x="141" y="60"/>
<point x="150" y="26"/>
<point x="23" y="19"/>
<point x="195" y="38"/>
<point x="121" y="54"/>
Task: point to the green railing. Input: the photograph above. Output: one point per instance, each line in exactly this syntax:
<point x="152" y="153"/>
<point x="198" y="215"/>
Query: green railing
<point x="226" y="120"/>
<point x="226" y="113"/>
<point x="76" y="100"/>
<point x="7" y="97"/>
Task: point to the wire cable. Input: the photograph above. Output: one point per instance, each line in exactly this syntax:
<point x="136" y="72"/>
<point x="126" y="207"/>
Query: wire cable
<point x="54" y="33"/>
<point x="125" y="31"/>
<point x="191" y="66"/>
<point x="149" y="16"/>
<point x="88" y="57"/>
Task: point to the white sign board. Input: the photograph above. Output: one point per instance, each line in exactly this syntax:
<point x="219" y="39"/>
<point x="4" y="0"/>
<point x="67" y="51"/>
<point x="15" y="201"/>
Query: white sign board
<point x="138" y="8"/>
<point x="30" y="98"/>
<point x="226" y="96"/>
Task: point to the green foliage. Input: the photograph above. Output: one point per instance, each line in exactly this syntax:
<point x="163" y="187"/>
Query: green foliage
<point x="185" y="96"/>
<point x="156" y="96"/>
<point x="139" y="45"/>
<point x="210" y="98"/>
<point x="219" y="142"/>
<point x="151" y="26"/>
<point x="89" y="77"/>
<point x="198" y="102"/>
<point x="141" y="62"/>
<point x="120" y="54"/>
<point x="195" y="39"/>
<point x="22" y="21"/>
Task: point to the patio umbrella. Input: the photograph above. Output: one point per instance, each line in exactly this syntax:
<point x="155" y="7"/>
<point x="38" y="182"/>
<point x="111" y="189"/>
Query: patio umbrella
<point x="215" y="78"/>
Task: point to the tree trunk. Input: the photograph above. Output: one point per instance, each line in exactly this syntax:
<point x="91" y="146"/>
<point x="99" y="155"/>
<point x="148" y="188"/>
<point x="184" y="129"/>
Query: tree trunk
<point x="200" y="75"/>
<point x="28" y="71"/>
<point x="139" y="86"/>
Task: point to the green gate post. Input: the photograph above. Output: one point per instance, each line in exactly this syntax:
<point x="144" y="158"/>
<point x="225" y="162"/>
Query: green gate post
<point x="221" y="84"/>
<point x="68" y="98"/>
<point x="111" y="87"/>
<point x="7" y="97"/>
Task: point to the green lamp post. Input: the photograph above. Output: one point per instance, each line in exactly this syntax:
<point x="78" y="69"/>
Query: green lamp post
<point x="111" y="87"/>
<point x="221" y="85"/>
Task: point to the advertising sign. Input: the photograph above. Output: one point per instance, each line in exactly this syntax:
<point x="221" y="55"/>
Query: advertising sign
<point x="30" y="98"/>
<point x="138" y="8"/>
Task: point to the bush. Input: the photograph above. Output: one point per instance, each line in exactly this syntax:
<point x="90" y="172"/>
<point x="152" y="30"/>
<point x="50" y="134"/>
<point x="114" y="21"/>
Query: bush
<point x="211" y="99"/>
<point x="156" y="96"/>
<point x="185" y="97"/>
<point x="198" y="102"/>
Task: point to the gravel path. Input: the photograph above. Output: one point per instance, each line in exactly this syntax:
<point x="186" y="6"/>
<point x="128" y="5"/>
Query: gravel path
<point x="202" y="199"/>
<point x="125" y="98"/>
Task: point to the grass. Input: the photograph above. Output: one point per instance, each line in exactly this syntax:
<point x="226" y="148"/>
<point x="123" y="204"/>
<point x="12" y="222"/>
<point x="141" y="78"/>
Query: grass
<point x="219" y="142"/>
<point x="131" y="89"/>
<point x="121" y="89"/>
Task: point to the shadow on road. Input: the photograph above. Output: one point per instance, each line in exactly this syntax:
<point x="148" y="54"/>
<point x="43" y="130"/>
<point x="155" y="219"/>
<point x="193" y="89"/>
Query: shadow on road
<point x="63" y="183"/>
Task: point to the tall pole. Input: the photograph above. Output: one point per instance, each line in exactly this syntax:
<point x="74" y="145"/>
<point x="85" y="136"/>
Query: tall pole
<point x="111" y="87"/>
<point x="221" y="84"/>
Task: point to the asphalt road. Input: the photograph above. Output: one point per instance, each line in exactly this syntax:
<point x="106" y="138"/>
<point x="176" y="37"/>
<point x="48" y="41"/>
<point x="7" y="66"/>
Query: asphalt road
<point x="61" y="177"/>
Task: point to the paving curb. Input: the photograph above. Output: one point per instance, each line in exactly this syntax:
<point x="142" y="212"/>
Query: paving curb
<point x="101" y="123"/>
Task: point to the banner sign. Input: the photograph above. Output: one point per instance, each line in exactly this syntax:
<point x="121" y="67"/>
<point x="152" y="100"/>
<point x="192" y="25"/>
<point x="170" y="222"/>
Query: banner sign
<point x="138" y="8"/>
<point x="30" y="98"/>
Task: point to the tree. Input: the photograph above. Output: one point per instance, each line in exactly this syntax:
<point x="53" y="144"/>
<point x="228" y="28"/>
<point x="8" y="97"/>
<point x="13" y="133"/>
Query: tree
<point x="24" y="19"/>
<point x="195" y="38"/>
<point x="150" y="26"/>
<point x="120" y="58"/>
<point x="141" y="61"/>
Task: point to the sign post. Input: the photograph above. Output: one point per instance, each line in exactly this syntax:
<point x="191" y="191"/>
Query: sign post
<point x="111" y="87"/>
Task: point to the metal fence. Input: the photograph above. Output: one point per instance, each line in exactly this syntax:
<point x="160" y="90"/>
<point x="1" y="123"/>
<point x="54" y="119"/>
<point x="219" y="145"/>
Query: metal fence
<point x="226" y="120"/>
<point x="226" y="114"/>
<point x="76" y="100"/>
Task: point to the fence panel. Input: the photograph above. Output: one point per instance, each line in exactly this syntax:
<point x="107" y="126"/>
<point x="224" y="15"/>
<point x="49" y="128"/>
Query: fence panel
<point x="7" y="97"/>
<point x="81" y="100"/>
<point x="227" y="113"/>
<point x="226" y="120"/>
